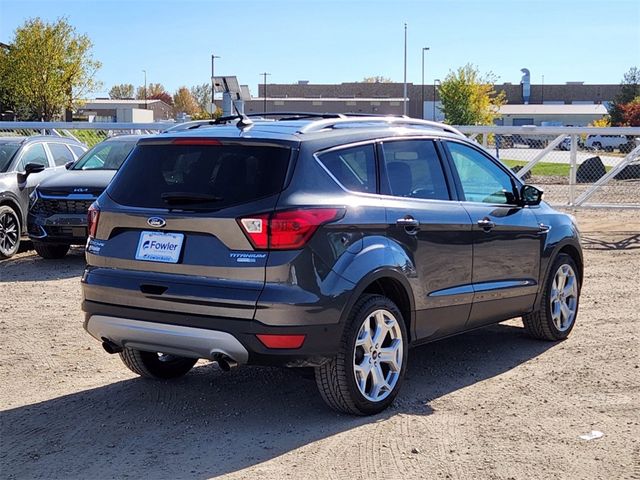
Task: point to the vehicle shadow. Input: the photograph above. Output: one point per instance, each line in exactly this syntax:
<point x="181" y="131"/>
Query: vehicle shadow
<point x="606" y="241"/>
<point x="30" y="267"/>
<point x="210" y="423"/>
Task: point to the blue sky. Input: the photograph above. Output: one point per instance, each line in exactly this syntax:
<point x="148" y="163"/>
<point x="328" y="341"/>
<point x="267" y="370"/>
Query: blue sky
<point x="334" y="41"/>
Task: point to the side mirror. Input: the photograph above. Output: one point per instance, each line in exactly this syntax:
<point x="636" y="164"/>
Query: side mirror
<point x="69" y="164"/>
<point x="30" y="168"/>
<point x="530" y="195"/>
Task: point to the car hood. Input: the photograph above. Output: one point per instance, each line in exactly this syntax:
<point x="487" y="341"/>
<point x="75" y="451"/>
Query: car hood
<point x="77" y="181"/>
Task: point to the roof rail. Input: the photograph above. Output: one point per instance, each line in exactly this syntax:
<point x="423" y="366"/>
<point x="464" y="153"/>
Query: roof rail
<point x="396" y="121"/>
<point x="284" y="116"/>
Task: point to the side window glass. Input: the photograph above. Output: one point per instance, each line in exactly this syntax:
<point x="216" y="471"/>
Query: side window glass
<point x="77" y="150"/>
<point x="414" y="170"/>
<point x="482" y="180"/>
<point x="354" y="168"/>
<point x="34" y="154"/>
<point x="61" y="154"/>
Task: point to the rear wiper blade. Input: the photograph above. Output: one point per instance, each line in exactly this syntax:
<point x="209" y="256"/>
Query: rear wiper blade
<point x="189" y="197"/>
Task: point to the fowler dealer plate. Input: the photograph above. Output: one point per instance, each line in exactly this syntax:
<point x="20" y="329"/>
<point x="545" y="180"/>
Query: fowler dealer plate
<point x="159" y="247"/>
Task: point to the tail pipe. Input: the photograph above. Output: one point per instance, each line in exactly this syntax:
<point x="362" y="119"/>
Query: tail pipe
<point x="226" y="363"/>
<point x="110" y="347"/>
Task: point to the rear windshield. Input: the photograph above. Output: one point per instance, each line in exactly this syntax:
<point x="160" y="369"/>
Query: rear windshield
<point x="199" y="176"/>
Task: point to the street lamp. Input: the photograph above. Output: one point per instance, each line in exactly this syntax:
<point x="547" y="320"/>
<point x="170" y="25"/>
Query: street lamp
<point x="213" y="88"/>
<point x="404" y="91"/>
<point x="423" y="50"/>
<point x="145" y="89"/>
<point x="264" y="92"/>
<point x="435" y="96"/>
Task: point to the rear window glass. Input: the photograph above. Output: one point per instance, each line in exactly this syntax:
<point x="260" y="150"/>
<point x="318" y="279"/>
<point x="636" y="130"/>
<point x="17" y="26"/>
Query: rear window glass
<point x="354" y="167"/>
<point x="199" y="176"/>
<point x="105" y="156"/>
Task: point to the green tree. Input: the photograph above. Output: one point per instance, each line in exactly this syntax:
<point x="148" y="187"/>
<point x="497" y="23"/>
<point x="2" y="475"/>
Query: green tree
<point x="183" y="102"/>
<point x="202" y="95"/>
<point x="122" y="91"/>
<point x="469" y="98"/>
<point x="48" y="68"/>
<point x="629" y="90"/>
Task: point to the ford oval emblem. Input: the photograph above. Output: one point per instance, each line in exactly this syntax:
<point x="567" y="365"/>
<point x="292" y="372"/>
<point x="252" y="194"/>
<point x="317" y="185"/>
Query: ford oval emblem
<point x="156" y="222"/>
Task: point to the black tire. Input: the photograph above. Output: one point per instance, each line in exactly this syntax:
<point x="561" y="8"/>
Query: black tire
<point x="10" y="232"/>
<point x="156" y="365"/>
<point x="51" y="251"/>
<point x="539" y="323"/>
<point x="336" y="379"/>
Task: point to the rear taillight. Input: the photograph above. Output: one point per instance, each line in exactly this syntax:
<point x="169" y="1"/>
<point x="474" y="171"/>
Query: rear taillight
<point x="92" y="219"/>
<point x="288" y="229"/>
<point x="281" y="341"/>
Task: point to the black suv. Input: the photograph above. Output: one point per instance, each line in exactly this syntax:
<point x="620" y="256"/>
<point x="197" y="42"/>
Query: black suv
<point x="58" y="208"/>
<point x="336" y="243"/>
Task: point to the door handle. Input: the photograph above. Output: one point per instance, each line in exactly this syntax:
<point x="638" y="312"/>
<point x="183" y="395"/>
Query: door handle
<point x="486" y="224"/>
<point x="542" y="228"/>
<point x="410" y="224"/>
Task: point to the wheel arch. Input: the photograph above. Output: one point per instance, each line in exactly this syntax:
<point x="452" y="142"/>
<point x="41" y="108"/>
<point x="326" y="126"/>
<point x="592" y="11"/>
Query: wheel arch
<point x="6" y="199"/>
<point x="391" y="284"/>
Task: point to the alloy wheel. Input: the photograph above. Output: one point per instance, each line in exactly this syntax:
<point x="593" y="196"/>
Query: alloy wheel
<point x="377" y="358"/>
<point x="9" y="232"/>
<point x="564" y="297"/>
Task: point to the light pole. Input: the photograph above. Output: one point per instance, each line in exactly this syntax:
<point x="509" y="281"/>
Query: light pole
<point x="264" y="91"/>
<point x="435" y="97"/>
<point x="422" y="109"/>
<point x="213" y="86"/>
<point x="145" y="89"/>
<point x="404" y="94"/>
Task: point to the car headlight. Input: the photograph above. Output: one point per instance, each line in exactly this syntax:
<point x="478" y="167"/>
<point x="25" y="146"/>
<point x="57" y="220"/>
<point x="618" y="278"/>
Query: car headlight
<point x="33" y="198"/>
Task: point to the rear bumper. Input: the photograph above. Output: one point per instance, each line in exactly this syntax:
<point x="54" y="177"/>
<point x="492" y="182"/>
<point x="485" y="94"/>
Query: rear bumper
<point x="201" y="336"/>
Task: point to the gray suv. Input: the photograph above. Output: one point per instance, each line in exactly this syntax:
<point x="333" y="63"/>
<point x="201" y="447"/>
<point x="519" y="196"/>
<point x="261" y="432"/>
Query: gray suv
<point x="334" y="242"/>
<point x="25" y="162"/>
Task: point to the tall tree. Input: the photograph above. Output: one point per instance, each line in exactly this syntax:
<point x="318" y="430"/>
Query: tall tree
<point x="202" y="95"/>
<point x="469" y="98"/>
<point x="122" y="91"/>
<point x="629" y="90"/>
<point x="183" y="102"/>
<point x="48" y="68"/>
<point x="153" y="90"/>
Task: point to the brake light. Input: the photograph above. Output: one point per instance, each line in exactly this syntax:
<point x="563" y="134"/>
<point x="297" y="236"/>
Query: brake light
<point x="288" y="229"/>
<point x="92" y="219"/>
<point x="195" y="141"/>
<point x="281" y="341"/>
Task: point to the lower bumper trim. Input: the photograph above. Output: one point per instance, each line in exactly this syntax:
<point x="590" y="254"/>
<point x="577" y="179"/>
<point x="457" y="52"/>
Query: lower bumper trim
<point x="173" y="339"/>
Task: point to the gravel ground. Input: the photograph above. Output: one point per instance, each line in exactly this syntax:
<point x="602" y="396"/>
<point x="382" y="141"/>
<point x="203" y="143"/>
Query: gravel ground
<point x="487" y="404"/>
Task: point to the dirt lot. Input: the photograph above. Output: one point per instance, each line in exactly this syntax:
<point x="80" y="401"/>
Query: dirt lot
<point x="488" y="404"/>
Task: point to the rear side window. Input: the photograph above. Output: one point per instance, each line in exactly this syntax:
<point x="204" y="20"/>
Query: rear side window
<point x="77" y="150"/>
<point x="354" y="167"/>
<point x="414" y="170"/>
<point x="105" y="156"/>
<point x="61" y="154"/>
<point x="207" y="177"/>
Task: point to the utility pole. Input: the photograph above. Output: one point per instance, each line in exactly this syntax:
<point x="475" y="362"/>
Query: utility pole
<point x="404" y="99"/>
<point x="264" y="91"/>
<point x="422" y="109"/>
<point x="213" y="86"/>
<point x="145" y="89"/>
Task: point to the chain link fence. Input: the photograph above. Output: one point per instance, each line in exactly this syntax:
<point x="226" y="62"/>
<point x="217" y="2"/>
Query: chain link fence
<point x="88" y="133"/>
<point x="575" y="166"/>
<point x="590" y="167"/>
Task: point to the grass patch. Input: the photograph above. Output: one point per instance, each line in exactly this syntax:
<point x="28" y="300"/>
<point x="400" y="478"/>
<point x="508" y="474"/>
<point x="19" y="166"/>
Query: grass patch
<point x="545" y="169"/>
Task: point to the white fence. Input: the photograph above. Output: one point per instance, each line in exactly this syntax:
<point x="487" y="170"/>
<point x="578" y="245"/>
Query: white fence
<point x="575" y="166"/>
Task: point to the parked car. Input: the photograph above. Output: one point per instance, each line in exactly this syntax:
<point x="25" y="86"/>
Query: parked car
<point x="609" y="143"/>
<point x="335" y="243"/>
<point x="25" y="162"/>
<point x="57" y="215"/>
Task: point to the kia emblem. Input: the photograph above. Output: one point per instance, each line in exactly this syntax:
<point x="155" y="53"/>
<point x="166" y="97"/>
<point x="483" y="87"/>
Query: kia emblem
<point x="156" y="222"/>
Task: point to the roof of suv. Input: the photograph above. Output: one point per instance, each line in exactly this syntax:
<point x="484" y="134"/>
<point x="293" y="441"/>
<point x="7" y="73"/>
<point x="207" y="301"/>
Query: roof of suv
<point x="323" y="127"/>
<point x="38" y="138"/>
